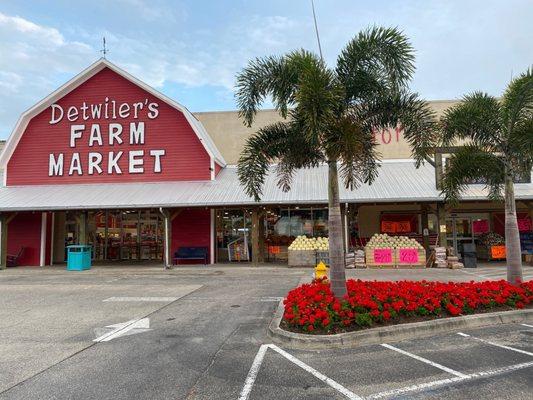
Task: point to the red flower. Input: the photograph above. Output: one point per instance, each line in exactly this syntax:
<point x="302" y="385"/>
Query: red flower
<point x="314" y="303"/>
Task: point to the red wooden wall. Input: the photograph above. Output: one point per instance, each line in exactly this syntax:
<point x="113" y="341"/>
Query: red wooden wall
<point x="185" y="159"/>
<point x="25" y="231"/>
<point x="191" y="228"/>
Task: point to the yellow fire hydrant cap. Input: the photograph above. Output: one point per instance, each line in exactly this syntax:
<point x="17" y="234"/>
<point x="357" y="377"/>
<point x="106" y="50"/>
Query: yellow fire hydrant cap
<point x="321" y="271"/>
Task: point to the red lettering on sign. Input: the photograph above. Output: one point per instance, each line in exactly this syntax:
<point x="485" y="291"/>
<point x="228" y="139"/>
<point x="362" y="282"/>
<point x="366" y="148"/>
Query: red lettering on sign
<point x="383" y="256"/>
<point x="408" y="256"/>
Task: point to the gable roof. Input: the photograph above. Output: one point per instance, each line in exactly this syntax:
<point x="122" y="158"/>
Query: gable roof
<point x="82" y="77"/>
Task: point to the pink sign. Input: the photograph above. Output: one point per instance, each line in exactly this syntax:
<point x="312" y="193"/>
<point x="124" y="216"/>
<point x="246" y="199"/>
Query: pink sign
<point x="383" y="256"/>
<point x="408" y="256"/>
<point x="481" y="226"/>
<point x="524" y="224"/>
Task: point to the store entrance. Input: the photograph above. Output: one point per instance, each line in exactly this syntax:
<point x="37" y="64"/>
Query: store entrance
<point x="463" y="229"/>
<point x="132" y="235"/>
<point x="233" y="235"/>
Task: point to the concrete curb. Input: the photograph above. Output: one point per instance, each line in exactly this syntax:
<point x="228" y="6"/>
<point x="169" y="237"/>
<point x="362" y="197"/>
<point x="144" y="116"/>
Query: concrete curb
<point x="390" y="334"/>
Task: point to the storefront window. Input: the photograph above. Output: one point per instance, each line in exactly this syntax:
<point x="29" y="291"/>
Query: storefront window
<point x="301" y="222"/>
<point x="320" y="219"/>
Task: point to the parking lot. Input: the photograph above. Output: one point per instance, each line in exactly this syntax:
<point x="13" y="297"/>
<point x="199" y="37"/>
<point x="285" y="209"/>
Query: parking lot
<point x="200" y="333"/>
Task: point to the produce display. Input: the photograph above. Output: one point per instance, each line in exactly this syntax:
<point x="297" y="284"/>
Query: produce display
<point x="384" y="241"/>
<point x="491" y="239"/>
<point x="302" y="242"/>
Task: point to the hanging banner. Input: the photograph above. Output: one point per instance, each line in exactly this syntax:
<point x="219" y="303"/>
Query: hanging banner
<point x="524" y="224"/>
<point x="388" y="226"/>
<point x="383" y="256"/>
<point x="403" y="227"/>
<point x="408" y="256"/>
<point x="395" y="226"/>
<point x="481" y="226"/>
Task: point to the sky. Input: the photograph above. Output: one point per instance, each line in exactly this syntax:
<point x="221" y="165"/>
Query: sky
<point x="191" y="50"/>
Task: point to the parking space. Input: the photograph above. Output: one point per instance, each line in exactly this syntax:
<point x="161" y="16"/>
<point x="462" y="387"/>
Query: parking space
<point x="457" y="365"/>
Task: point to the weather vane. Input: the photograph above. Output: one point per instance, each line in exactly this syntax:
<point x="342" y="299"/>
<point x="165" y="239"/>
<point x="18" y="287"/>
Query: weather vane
<point x="104" y="50"/>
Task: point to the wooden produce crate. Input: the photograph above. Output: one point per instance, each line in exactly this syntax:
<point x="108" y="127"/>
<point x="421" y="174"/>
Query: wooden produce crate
<point x="410" y="258"/>
<point x="302" y="258"/>
<point x="373" y="262"/>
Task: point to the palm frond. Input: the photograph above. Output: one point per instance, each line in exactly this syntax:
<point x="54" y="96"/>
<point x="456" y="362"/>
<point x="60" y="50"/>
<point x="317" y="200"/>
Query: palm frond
<point x="351" y="142"/>
<point x="376" y="60"/>
<point x="476" y="119"/>
<point x="471" y="164"/>
<point x="318" y="99"/>
<point x="283" y="143"/>
<point x="260" y="150"/>
<point x="517" y="102"/>
<point x="272" y="76"/>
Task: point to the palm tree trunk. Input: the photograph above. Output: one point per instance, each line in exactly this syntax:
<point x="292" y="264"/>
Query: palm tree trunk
<point x="336" y="249"/>
<point x="512" y="235"/>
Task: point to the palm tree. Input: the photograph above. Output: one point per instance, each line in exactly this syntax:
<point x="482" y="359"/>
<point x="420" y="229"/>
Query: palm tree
<point x="329" y="116"/>
<point x="498" y="137"/>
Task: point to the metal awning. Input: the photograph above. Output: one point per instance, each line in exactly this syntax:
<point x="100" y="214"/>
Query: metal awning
<point x="398" y="181"/>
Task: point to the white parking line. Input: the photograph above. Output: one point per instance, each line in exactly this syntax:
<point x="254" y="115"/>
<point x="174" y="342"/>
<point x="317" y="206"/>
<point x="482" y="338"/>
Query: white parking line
<point x="496" y="344"/>
<point x="252" y="374"/>
<point x="529" y="326"/>
<point x="443" y="382"/>
<point x="140" y="299"/>
<point x="250" y="379"/>
<point x="328" y="381"/>
<point x="425" y="360"/>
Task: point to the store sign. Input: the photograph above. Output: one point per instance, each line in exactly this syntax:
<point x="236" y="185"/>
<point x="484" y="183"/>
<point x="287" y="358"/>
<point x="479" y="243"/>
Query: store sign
<point x="480" y="226"/>
<point x="408" y="256"/>
<point x="116" y="134"/>
<point x="383" y="256"/>
<point x="395" y="226"/>
<point x="498" y="252"/>
<point x="524" y="224"/>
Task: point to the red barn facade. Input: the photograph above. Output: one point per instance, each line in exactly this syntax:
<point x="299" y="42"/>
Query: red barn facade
<point x="106" y="127"/>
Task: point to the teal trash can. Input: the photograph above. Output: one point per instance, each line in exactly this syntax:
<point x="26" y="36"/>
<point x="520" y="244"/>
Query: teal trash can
<point x="78" y="257"/>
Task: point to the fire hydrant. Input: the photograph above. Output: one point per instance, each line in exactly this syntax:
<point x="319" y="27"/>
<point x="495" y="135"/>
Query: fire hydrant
<point x="321" y="271"/>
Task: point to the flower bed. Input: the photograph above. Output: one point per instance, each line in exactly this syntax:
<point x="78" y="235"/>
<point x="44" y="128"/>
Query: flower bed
<point x="312" y="308"/>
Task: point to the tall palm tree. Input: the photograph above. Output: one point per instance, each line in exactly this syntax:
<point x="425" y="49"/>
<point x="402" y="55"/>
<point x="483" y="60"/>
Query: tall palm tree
<point x="498" y="137"/>
<point x="329" y="116"/>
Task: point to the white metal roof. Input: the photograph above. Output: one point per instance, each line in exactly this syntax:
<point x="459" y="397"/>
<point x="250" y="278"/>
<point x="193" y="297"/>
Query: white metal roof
<point x="398" y="181"/>
<point x="83" y="76"/>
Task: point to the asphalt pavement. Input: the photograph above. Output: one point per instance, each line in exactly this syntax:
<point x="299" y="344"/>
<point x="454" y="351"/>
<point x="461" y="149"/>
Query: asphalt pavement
<point x="200" y="333"/>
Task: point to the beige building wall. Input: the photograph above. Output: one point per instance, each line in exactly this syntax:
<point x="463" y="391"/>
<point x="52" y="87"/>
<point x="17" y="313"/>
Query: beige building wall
<point x="229" y="133"/>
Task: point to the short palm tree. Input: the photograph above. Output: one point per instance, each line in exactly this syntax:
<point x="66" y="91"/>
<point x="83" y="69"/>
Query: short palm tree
<point x="329" y="116"/>
<point x="498" y="137"/>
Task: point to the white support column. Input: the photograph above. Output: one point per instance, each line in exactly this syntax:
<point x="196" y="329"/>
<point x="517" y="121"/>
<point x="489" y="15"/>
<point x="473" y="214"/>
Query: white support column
<point x="168" y="240"/>
<point x="212" y="237"/>
<point x="346" y="230"/>
<point x="212" y="168"/>
<point x="52" y="222"/>
<point x="42" y="259"/>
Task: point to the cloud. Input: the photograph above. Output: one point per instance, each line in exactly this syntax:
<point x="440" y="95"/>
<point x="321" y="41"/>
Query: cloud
<point x="41" y="58"/>
<point x="35" y="60"/>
